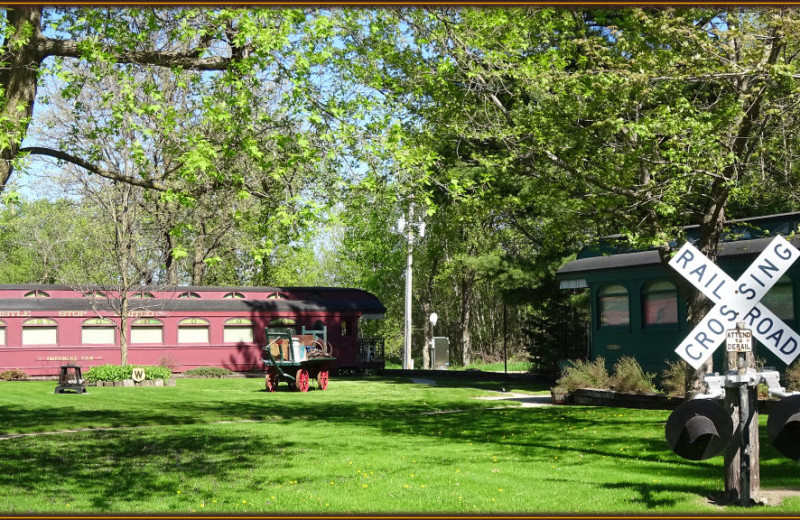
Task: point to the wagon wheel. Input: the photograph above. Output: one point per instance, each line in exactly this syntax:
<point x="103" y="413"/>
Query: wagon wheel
<point x="301" y="380"/>
<point x="322" y="379"/>
<point x="272" y="380"/>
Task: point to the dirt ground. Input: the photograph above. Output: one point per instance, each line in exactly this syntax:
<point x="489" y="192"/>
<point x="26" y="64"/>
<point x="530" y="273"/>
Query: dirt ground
<point x="765" y="497"/>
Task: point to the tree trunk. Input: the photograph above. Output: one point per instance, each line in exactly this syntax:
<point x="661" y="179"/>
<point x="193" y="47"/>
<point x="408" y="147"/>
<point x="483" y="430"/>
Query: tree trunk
<point x="198" y="264"/>
<point x="170" y="264"/>
<point x="18" y="80"/>
<point x="427" y="307"/>
<point x="427" y="361"/>
<point x="467" y="283"/>
<point x="123" y="330"/>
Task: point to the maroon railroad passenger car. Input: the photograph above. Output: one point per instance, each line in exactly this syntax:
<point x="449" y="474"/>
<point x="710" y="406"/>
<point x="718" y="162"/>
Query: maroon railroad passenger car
<point x="45" y="326"/>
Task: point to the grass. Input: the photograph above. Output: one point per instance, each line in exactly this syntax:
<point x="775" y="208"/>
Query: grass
<point x="223" y="446"/>
<point x="511" y="366"/>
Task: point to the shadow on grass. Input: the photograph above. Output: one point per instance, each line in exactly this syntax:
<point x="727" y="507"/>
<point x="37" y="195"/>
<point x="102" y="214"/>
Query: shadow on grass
<point x="484" y="383"/>
<point x="131" y="466"/>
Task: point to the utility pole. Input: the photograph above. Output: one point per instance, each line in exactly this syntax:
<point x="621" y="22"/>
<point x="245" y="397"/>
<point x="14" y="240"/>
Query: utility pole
<point x="402" y="224"/>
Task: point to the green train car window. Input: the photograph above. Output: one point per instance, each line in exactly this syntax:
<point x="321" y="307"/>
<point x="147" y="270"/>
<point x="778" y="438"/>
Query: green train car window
<point x="613" y="306"/>
<point x="660" y="301"/>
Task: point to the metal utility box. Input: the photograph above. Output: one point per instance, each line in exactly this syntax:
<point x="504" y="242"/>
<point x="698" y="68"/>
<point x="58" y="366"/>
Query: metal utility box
<point x="440" y="353"/>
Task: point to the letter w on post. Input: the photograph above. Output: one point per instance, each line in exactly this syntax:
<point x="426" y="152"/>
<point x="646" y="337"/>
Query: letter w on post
<point x="735" y="300"/>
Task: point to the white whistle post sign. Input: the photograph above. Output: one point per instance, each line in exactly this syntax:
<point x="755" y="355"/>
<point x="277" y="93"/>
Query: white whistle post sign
<point x="737" y="301"/>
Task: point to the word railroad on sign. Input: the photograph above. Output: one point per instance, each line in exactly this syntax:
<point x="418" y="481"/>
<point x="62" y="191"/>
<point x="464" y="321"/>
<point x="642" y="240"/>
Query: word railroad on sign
<point x="737" y="301"/>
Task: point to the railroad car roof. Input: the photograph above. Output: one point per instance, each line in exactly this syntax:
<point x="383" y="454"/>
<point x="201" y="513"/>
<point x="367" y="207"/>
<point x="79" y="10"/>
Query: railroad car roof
<point x="324" y="299"/>
<point x="189" y="288"/>
<point x="641" y="259"/>
<point x="189" y="305"/>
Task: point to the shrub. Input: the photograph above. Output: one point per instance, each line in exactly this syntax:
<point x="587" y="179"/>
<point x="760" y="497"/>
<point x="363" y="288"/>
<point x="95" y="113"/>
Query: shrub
<point x="792" y="377"/>
<point x="630" y="378"/>
<point x="108" y="373"/>
<point x="208" y="372"/>
<point x="584" y="374"/>
<point x="13" y="375"/>
<point x="120" y="372"/>
<point x="673" y="378"/>
<point x="156" y="372"/>
<point x="168" y="361"/>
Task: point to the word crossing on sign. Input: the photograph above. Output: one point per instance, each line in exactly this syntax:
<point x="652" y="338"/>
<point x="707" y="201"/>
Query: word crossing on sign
<point x="737" y="301"/>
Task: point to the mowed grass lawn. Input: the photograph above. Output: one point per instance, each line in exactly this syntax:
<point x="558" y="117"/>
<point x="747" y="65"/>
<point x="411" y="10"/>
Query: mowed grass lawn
<point x="363" y="446"/>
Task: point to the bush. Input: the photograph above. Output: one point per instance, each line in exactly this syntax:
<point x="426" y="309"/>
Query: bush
<point x="208" y="372"/>
<point x="673" y="378"/>
<point x="155" y="372"/>
<point x="120" y="372"/>
<point x="13" y="375"/>
<point x="792" y="377"/>
<point x="584" y="374"/>
<point x="629" y="377"/>
<point x="168" y="361"/>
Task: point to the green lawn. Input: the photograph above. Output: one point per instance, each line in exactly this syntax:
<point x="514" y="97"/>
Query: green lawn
<point x="223" y="446"/>
<point x="511" y="366"/>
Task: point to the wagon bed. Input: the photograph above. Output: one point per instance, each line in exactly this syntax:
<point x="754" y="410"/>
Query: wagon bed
<point x="282" y="365"/>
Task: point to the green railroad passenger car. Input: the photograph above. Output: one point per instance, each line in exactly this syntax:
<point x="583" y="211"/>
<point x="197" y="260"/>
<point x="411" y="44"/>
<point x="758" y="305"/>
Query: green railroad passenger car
<point x="636" y="308"/>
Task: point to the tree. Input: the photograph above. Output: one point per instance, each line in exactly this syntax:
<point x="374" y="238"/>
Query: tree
<point x="645" y="120"/>
<point x="93" y="35"/>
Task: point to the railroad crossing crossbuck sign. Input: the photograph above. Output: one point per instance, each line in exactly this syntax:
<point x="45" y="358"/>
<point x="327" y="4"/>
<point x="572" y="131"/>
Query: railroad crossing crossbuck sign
<point x="737" y="301"/>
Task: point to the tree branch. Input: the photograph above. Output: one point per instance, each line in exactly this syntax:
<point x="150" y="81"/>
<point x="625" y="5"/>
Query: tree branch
<point x="93" y="168"/>
<point x="187" y="60"/>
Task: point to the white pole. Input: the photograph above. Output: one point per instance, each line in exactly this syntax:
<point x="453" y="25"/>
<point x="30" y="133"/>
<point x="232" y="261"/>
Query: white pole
<point x="407" y="332"/>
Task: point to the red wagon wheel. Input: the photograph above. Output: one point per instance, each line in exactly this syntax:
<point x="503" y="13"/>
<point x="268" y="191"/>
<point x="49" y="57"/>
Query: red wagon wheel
<point x="272" y="380"/>
<point x="301" y="380"/>
<point x="322" y="379"/>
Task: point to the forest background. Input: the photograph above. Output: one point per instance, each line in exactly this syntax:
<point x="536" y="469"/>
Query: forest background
<point x="279" y="146"/>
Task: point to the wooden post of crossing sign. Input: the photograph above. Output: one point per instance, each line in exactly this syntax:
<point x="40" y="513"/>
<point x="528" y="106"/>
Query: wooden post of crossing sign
<point x="737" y="302"/>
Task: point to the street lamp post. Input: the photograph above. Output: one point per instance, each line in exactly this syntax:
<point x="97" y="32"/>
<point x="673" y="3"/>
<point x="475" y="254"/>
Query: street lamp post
<point x="433" y="319"/>
<point x="402" y="225"/>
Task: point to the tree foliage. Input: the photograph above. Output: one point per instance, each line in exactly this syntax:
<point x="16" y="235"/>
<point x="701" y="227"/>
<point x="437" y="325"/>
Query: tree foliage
<point x="578" y="123"/>
<point x="523" y="133"/>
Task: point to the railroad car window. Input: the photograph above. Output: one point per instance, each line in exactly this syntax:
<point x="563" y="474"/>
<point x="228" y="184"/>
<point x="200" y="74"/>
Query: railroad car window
<point x="145" y="295"/>
<point x="36" y="294"/>
<point x="660" y="301"/>
<point x="277" y="296"/>
<point x="283" y="322"/>
<point x="188" y="295"/>
<point x="346" y="328"/>
<point x="780" y="299"/>
<point x="193" y="330"/>
<point x="612" y="305"/>
<point x="238" y="330"/>
<point x="2" y="332"/>
<point x="233" y="295"/>
<point x="98" y="331"/>
<point x="40" y="331"/>
<point x="147" y="330"/>
<point x="94" y="294"/>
